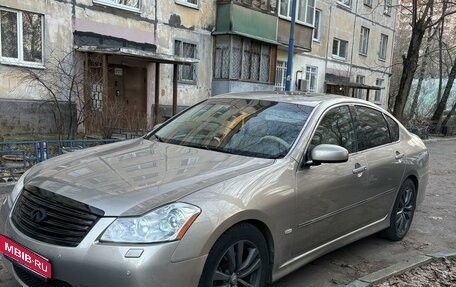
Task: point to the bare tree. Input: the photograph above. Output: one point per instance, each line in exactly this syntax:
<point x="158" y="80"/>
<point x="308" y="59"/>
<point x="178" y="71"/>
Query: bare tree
<point x="64" y="85"/>
<point x="421" y="20"/>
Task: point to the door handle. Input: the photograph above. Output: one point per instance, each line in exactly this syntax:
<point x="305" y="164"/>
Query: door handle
<point x="359" y="169"/>
<point x="399" y="155"/>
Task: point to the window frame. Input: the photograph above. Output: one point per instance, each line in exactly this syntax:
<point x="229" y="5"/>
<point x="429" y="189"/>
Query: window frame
<point x="19" y="61"/>
<point x="364" y="41"/>
<point x="317" y="26"/>
<point x="367" y="3"/>
<point x="379" y="92"/>
<point x="342" y="3"/>
<point x="339" y="41"/>
<point x="383" y="47"/>
<point x="298" y="4"/>
<point x="387" y="7"/>
<point x="310" y="74"/>
<point x="119" y="6"/>
<point x="244" y="42"/>
<point x="360" y="79"/>
<point x="280" y="85"/>
<point x="194" y="65"/>
<point x="187" y="4"/>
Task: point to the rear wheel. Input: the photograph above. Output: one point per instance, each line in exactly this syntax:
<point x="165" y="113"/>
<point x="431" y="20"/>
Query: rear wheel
<point x="402" y="213"/>
<point x="240" y="257"/>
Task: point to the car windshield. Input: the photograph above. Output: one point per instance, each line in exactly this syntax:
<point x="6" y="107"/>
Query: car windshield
<point x="256" y="128"/>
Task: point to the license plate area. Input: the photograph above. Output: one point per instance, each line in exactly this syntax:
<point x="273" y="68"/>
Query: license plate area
<point x="25" y="257"/>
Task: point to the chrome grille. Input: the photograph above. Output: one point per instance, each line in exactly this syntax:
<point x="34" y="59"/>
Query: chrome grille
<point x="53" y="218"/>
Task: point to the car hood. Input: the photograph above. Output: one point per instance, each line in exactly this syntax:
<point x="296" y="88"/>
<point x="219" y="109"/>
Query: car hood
<point x="133" y="177"/>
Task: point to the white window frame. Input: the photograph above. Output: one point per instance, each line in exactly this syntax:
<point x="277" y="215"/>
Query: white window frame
<point x="364" y="41"/>
<point x="360" y="79"/>
<point x="383" y="48"/>
<point x="19" y="61"/>
<point x="346" y="3"/>
<point x="281" y="68"/>
<point x="387" y="7"/>
<point x="338" y="56"/>
<point x="287" y="15"/>
<point x="194" y="81"/>
<point x="317" y="26"/>
<point x="119" y="6"/>
<point x="188" y="4"/>
<point x="312" y="71"/>
<point x="379" y="93"/>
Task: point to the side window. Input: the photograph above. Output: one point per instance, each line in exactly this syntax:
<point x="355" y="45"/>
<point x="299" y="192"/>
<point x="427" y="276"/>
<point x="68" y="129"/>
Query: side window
<point x="336" y="128"/>
<point x="372" y="129"/>
<point x="393" y="128"/>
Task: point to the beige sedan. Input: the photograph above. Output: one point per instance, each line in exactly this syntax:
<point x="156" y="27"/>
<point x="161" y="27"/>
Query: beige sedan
<point x="238" y="190"/>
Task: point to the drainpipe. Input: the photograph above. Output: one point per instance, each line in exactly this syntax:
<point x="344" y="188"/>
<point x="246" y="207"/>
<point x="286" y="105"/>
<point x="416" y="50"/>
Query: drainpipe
<point x="291" y="47"/>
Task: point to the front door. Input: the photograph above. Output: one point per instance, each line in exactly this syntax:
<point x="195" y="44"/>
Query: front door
<point x="330" y="195"/>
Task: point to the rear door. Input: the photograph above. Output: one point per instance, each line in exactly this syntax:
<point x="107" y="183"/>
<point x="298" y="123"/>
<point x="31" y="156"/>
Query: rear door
<point x="378" y="140"/>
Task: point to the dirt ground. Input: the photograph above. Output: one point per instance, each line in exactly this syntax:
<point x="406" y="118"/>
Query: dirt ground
<point x="433" y="230"/>
<point x="440" y="273"/>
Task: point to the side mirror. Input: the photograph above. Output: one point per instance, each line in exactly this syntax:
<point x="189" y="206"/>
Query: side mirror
<point x="329" y="153"/>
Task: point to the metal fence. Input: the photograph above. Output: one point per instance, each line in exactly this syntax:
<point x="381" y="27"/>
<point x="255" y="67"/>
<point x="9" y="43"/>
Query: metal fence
<point x="17" y="157"/>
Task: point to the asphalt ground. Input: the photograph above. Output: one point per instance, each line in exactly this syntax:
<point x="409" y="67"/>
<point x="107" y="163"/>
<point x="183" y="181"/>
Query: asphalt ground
<point x="433" y="230"/>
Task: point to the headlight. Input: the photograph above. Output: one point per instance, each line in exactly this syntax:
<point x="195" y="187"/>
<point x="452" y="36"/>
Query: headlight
<point x="167" y="223"/>
<point x="17" y="189"/>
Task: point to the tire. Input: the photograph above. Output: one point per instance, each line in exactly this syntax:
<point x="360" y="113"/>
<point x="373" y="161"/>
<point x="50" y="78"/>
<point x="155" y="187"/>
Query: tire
<point x="224" y="267"/>
<point x="402" y="213"/>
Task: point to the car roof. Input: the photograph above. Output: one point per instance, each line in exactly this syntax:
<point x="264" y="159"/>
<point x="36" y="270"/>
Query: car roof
<point x="302" y="98"/>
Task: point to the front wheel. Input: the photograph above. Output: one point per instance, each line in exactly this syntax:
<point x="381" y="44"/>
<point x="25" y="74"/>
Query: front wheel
<point x="239" y="258"/>
<point x="402" y="213"/>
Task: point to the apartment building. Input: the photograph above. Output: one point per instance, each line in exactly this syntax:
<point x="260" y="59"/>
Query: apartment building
<point x="351" y="51"/>
<point x="140" y="54"/>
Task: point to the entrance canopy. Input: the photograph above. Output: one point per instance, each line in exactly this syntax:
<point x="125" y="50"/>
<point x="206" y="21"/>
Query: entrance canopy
<point x="147" y="56"/>
<point x="136" y="53"/>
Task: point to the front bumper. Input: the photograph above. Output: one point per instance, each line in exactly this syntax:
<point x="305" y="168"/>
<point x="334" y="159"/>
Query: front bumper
<point x="94" y="264"/>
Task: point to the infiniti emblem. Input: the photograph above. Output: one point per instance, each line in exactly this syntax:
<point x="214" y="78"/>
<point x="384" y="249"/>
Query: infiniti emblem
<point x="38" y="215"/>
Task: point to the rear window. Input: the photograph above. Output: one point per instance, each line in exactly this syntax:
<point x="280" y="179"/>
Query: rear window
<point x="393" y="128"/>
<point x="372" y="129"/>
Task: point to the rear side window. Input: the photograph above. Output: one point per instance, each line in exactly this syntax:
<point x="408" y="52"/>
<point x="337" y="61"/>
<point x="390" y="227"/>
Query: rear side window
<point x="371" y="129"/>
<point x="393" y="128"/>
<point x="336" y="128"/>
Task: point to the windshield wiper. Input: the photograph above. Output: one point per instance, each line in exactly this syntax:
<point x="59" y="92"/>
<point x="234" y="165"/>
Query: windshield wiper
<point x="158" y="138"/>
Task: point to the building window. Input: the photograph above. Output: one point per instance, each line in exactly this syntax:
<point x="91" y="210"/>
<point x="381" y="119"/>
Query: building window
<point x="345" y="2"/>
<point x="21" y="37"/>
<point x="378" y="93"/>
<point x="359" y="93"/>
<point x="281" y="76"/>
<point x="383" y="47"/>
<point x="304" y="11"/>
<point x="191" y="3"/>
<point x="364" y="41"/>
<point x="339" y="48"/>
<point x="367" y="3"/>
<point x="269" y="6"/>
<point x="311" y="78"/>
<point x="387" y="6"/>
<point x="124" y="4"/>
<point x="317" y="23"/>
<point x="239" y="58"/>
<point x="186" y="73"/>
